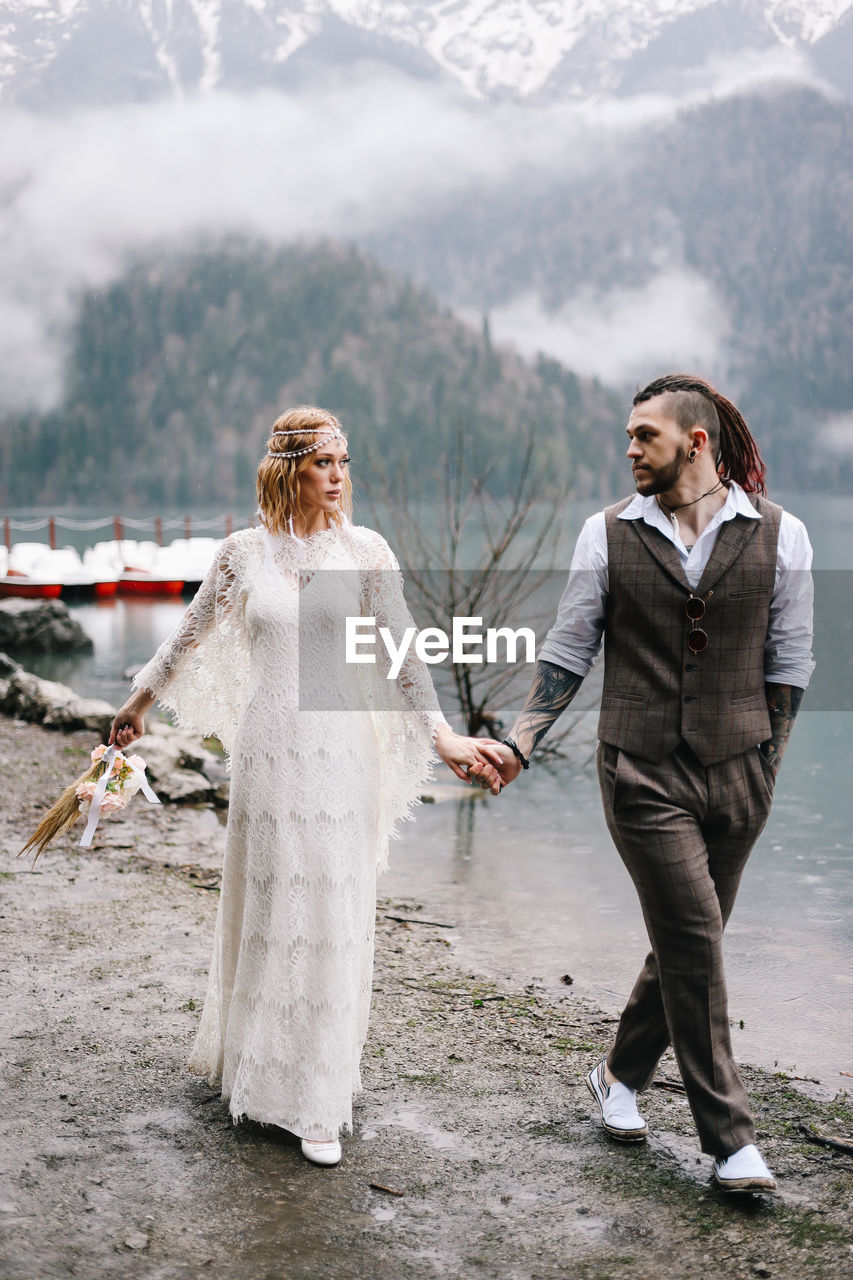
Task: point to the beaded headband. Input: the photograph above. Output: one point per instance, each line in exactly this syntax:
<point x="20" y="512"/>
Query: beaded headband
<point x="329" y="433"/>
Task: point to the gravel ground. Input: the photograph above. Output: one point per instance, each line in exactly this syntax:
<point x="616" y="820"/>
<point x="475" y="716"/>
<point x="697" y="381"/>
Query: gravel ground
<point x="475" y="1150"/>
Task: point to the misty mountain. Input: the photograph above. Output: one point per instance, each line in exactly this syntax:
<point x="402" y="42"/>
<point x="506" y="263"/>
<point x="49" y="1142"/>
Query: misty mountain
<point x="177" y="371"/>
<point x="753" y="195"/>
<point x="102" y="52"/>
<point x="694" y="223"/>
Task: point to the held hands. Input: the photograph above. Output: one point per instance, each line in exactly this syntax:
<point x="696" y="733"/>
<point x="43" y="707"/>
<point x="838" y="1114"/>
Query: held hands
<point x="471" y="759"/>
<point x="508" y="765"/>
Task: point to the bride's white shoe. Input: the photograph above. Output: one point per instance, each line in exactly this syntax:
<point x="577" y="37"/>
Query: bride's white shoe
<point x="327" y="1153"/>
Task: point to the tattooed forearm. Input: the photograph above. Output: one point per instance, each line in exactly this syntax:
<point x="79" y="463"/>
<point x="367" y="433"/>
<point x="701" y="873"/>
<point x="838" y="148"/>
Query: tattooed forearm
<point x="551" y="692"/>
<point x="783" y="703"/>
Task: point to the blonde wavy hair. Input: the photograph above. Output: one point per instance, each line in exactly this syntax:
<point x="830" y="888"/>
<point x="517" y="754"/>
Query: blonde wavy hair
<point x="278" y="478"/>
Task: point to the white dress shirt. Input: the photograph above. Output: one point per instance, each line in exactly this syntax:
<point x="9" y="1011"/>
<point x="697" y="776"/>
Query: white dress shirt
<point x="575" y="638"/>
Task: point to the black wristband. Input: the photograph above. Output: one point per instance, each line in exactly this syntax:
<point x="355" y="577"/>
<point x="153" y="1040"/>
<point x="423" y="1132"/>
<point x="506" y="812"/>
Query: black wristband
<point x="516" y="751"/>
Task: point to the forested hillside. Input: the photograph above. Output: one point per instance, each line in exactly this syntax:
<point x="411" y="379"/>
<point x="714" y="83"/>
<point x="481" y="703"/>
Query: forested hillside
<point x="755" y="194"/>
<point x="176" y="372"/>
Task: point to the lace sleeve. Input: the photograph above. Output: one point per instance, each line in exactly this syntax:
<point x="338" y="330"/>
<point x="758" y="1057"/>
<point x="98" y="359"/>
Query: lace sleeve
<point x="385" y="601"/>
<point x="200" y="671"/>
<point x="211" y="598"/>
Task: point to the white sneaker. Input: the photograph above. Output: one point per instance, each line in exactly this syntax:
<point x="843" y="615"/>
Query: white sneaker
<point x="327" y="1153"/>
<point x="619" y="1115"/>
<point x="744" y="1170"/>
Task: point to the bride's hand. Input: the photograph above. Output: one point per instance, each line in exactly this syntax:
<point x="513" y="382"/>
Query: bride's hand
<point x="127" y="727"/>
<point x="460" y="753"/>
<point x="129" y="722"/>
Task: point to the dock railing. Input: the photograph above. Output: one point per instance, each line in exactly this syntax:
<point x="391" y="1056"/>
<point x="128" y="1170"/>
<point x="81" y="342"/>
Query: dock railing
<point x="121" y="526"/>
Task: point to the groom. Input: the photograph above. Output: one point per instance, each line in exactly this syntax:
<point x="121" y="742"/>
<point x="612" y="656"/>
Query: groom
<point x="702" y="592"/>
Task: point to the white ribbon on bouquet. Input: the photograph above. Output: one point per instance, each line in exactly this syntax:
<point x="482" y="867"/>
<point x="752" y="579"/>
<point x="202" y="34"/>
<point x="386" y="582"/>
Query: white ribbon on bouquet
<point x="97" y="800"/>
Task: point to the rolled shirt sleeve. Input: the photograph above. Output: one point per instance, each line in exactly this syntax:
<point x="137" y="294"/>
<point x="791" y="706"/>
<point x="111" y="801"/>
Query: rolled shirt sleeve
<point x="788" y="652"/>
<point x="575" y="638"/>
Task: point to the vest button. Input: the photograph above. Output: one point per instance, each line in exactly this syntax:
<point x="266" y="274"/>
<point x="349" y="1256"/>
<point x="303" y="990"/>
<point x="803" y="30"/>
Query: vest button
<point x="690" y="666"/>
<point x="690" y="698"/>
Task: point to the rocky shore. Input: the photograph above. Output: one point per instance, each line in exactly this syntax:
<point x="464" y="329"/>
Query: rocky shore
<point x="40" y="626"/>
<point x="475" y="1150"/>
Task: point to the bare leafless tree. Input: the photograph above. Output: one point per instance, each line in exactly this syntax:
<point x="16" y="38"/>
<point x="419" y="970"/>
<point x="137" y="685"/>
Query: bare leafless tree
<point x="470" y="552"/>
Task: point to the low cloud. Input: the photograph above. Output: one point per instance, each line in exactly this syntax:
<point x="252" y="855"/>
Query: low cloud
<point x="674" y="321"/>
<point x="81" y="192"/>
<point x="836" y="436"/>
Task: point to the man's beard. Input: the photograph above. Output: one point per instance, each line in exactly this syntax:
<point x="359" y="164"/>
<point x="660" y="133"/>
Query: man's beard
<point x="662" y="479"/>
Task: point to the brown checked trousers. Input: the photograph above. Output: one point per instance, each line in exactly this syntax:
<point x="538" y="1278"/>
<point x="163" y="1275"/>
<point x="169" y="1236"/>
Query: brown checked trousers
<point x="684" y="832"/>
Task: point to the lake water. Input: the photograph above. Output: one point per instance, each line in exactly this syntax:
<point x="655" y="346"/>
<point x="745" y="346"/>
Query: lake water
<point x="534" y="887"/>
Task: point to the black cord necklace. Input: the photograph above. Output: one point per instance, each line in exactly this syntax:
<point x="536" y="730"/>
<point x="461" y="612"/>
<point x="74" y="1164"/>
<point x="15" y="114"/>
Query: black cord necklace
<point x="672" y="510"/>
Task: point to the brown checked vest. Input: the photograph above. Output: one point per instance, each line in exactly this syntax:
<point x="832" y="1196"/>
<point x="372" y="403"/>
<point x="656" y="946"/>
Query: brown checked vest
<point x="656" y="692"/>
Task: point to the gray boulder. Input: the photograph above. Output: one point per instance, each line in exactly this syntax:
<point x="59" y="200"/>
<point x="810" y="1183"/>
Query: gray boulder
<point x="40" y="626"/>
<point x="180" y="768"/>
<point x="28" y="697"/>
<point x="181" y="786"/>
<point x="8" y="666"/>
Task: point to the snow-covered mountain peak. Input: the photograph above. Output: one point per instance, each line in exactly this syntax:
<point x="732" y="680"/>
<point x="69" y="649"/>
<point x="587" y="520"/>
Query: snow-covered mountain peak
<point x="52" y="51"/>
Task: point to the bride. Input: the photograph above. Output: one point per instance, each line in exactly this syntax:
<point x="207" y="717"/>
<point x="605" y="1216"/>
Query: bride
<point x="326" y="759"/>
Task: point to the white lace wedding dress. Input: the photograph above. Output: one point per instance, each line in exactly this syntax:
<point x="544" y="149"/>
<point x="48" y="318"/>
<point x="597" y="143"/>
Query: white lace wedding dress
<point x="326" y="759"/>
